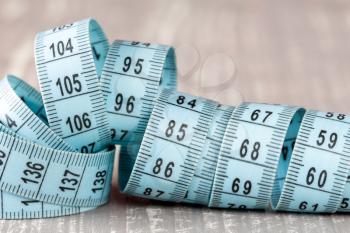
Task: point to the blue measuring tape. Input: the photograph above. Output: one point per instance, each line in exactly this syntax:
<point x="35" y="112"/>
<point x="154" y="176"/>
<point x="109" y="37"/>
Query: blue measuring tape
<point x="69" y="61"/>
<point x="200" y="189"/>
<point x="58" y="142"/>
<point x="171" y="147"/>
<point x="55" y="147"/>
<point x="132" y="74"/>
<point x="249" y="155"/>
<point x="51" y="179"/>
<point x="318" y="167"/>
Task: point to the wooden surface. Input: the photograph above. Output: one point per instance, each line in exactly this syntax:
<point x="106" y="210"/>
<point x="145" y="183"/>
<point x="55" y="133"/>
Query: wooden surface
<point x="294" y="52"/>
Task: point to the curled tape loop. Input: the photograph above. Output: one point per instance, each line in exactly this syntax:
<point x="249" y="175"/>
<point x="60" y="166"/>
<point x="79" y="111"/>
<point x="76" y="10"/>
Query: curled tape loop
<point x="41" y="175"/>
<point x="55" y="147"/>
<point x="69" y="61"/>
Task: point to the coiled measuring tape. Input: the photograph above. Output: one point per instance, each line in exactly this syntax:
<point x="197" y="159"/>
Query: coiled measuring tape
<point x="49" y="178"/>
<point x="171" y="147"/>
<point x="296" y="160"/>
<point x="55" y="157"/>
<point x="41" y="175"/>
<point x="249" y="155"/>
<point x="202" y="181"/>
<point x="69" y="61"/>
<point x="319" y="167"/>
<point x="132" y="74"/>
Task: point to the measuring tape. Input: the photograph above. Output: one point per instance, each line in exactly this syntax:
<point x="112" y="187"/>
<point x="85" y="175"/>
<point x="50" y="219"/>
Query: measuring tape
<point x="170" y="149"/>
<point x="249" y="156"/>
<point x="51" y="179"/>
<point x="202" y="181"/>
<point x="69" y="60"/>
<point x="132" y="74"/>
<point x="58" y="142"/>
<point x="55" y="147"/>
<point x="319" y="166"/>
<point x="298" y="160"/>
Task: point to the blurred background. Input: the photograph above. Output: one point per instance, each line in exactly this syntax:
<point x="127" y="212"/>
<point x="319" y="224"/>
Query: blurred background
<point x="293" y="52"/>
<point x="276" y="51"/>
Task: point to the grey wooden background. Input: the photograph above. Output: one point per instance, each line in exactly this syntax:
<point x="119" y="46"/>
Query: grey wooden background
<point x="294" y="52"/>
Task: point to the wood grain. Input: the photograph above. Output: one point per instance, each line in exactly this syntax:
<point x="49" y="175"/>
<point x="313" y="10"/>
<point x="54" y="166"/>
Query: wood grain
<point x="293" y="52"/>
